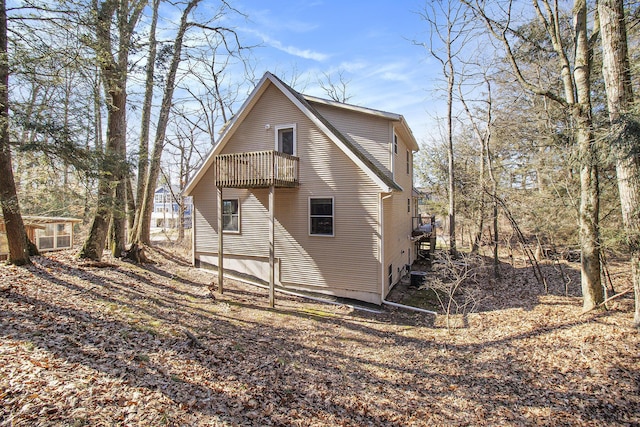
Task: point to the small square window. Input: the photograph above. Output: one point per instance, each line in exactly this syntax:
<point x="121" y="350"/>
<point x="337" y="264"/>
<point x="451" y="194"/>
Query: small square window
<point x="321" y="216"/>
<point x="231" y="215"/>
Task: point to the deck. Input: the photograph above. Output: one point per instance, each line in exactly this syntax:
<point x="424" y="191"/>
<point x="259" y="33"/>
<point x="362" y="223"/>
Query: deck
<point x="257" y="169"/>
<point x="424" y="236"/>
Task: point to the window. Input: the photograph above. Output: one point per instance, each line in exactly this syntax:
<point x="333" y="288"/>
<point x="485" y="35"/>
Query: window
<point x="54" y="236"/>
<point x="408" y="162"/>
<point x="231" y="215"/>
<point x="390" y="274"/>
<point x="321" y="216"/>
<point x="395" y="144"/>
<point x="286" y="139"/>
<point x="408" y="205"/>
<point x="63" y="236"/>
<point x="46" y="237"/>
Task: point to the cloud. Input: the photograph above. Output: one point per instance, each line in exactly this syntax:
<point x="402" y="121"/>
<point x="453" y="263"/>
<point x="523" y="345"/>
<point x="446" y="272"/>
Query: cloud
<point x="295" y="51"/>
<point x="302" y="53"/>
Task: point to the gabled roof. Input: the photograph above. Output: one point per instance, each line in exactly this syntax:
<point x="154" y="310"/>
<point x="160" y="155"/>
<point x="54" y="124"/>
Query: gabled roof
<point x="385" y="183"/>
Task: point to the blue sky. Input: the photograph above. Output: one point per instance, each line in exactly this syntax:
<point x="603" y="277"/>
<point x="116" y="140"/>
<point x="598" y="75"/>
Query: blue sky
<point x="369" y="41"/>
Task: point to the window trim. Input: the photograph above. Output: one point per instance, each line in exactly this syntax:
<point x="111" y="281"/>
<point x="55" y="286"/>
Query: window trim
<point x="238" y="231"/>
<point x="292" y="126"/>
<point x="333" y="216"/>
<point x="56" y="234"/>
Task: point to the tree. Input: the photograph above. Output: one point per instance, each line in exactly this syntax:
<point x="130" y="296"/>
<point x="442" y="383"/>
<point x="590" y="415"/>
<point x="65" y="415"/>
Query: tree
<point x="143" y="220"/>
<point x="145" y="122"/>
<point x="14" y="226"/>
<point x="336" y="91"/>
<point x="112" y="54"/>
<point x="226" y="38"/>
<point x="576" y="98"/>
<point x="625" y="132"/>
<point x="449" y="25"/>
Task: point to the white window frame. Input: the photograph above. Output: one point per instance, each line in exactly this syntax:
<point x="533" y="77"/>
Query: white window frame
<point x="55" y="235"/>
<point x="278" y="128"/>
<point x="333" y="216"/>
<point x="239" y="216"/>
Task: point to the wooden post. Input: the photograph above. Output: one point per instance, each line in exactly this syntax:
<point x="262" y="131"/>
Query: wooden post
<point x="220" y="243"/>
<point x="271" y="246"/>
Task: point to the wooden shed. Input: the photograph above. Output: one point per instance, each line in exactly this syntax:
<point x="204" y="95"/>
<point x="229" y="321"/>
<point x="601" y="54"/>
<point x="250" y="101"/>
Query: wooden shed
<point x="48" y="233"/>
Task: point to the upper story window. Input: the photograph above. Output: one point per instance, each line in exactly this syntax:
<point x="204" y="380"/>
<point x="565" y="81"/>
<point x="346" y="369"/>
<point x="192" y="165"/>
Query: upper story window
<point x="286" y="139"/>
<point x="395" y="143"/>
<point x="408" y="162"/>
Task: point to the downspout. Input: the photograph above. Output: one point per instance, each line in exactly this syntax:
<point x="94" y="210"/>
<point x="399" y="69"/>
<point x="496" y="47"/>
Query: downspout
<point x="382" y="281"/>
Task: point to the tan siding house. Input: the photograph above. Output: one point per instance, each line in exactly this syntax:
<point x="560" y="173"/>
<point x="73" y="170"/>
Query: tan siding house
<point x="333" y="182"/>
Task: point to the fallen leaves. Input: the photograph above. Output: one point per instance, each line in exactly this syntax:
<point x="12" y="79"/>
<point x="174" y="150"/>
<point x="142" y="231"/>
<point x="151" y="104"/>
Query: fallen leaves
<point x="147" y="345"/>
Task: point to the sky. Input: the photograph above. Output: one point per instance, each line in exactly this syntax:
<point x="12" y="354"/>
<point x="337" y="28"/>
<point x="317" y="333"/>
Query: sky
<point x="370" y="42"/>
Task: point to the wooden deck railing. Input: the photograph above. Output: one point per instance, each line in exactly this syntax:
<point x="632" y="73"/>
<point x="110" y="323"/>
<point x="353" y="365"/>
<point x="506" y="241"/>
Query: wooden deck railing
<point x="256" y="169"/>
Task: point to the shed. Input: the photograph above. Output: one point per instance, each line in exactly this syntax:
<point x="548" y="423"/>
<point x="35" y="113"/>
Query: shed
<point x="47" y="233"/>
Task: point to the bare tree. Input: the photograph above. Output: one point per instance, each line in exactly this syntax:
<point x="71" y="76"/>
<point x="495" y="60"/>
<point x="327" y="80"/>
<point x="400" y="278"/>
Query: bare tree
<point x="143" y="220"/>
<point x="574" y="68"/>
<point x="483" y="135"/>
<point x="335" y="90"/>
<point x="450" y="28"/>
<point x="145" y="122"/>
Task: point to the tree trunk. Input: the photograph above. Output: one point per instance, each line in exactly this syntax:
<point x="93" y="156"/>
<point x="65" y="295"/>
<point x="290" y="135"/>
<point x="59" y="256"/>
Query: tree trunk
<point x="617" y="78"/>
<point x="142" y="234"/>
<point x="143" y="148"/>
<point x="131" y="206"/>
<point x="451" y="171"/>
<point x="592" y="290"/>
<point x="16" y="235"/>
<point x="113" y="168"/>
<point x="116" y="123"/>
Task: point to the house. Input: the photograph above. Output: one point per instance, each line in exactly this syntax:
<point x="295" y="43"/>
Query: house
<point x="310" y="194"/>
<point x="166" y="208"/>
<point x="47" y="233"/>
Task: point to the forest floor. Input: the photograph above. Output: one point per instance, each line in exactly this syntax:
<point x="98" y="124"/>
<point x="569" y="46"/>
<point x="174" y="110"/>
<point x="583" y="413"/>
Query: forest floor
<point x="125" y="344"/>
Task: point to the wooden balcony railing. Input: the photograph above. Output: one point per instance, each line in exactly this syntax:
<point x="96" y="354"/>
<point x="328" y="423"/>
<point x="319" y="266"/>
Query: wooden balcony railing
<point x="256" y="169"/>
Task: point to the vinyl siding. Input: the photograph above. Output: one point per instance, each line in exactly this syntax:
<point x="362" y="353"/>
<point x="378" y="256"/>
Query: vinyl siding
<point x="399" y="249"/>
<point x="370" y="133"/>
<point x="344" y="264"/>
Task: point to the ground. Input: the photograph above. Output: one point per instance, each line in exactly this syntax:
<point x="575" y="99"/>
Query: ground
<point x="125" y="344"/>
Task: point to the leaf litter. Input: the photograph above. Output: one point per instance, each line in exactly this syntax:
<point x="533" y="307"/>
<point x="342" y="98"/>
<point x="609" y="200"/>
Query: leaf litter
<point x="131" y="345"/>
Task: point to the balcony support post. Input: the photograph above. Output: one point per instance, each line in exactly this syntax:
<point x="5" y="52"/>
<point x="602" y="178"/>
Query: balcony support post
<point x="271" y="246"/>
<point x="220" y="243"/>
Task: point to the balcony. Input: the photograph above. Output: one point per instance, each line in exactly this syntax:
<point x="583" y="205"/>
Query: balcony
<point x="256" y="169"/>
